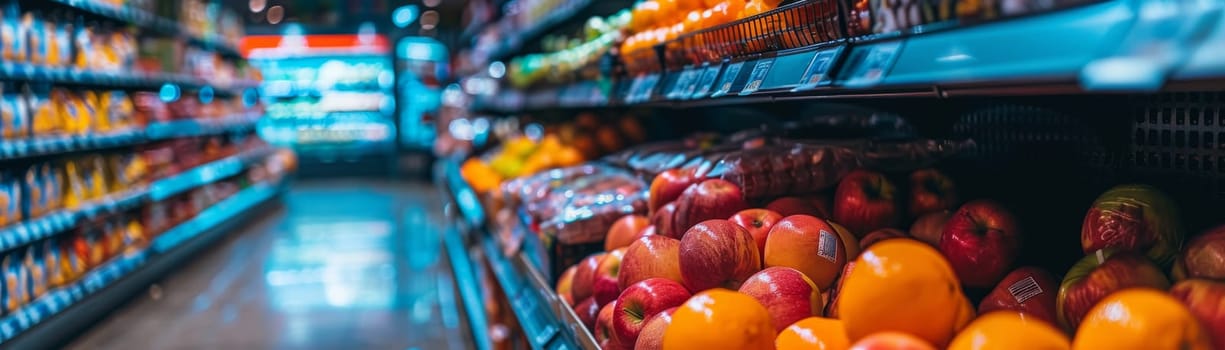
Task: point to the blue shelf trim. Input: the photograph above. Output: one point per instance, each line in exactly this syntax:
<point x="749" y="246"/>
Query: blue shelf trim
<point x="50" y="145"/>
<point x="204" y="174"/>
<point x="118" y="79"/>
<point x="103" y="276"/>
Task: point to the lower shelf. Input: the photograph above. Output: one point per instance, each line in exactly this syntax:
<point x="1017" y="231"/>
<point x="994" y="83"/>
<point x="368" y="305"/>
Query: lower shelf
<point x="47" y="322"/>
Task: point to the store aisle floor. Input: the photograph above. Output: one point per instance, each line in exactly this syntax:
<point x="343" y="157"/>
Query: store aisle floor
<point x="344" y="265"/>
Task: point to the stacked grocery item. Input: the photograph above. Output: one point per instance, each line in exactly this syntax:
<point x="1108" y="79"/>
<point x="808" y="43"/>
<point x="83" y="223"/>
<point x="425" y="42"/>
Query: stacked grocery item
<point x="560" y="145"/>
<point x="756" y="242"/>
<point x="566" y="59"/>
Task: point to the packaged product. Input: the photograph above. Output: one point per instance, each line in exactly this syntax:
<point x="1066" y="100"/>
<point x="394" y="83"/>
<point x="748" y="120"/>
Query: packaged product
<point x="36" y="34"/>
<point x="14" y="282"/>
<point x="73" y="113"/>
<point x="134" y="235"/>
<point x="35" y="203"/>
<point x="14" y="115"/>
<point x="83" y="46"/>
<point x="63" y="42"/>
<point x="53" y="257"/>
<point x="75" y="257"/>
<point x="10" y="199"/>
<point x="97" y="176"/>
<point x="12" y="34"/>
<point x="36" y="269"/>
<point x="77" y="191"/>
<point x="119" y="110"/>
<point x="52" y="180"/>
<point x="45" y="114"/>
<point x="96" y="243"/>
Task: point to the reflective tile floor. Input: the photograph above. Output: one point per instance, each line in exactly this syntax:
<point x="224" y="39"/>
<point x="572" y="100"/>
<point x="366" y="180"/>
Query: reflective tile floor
<point x="344" y="265"/>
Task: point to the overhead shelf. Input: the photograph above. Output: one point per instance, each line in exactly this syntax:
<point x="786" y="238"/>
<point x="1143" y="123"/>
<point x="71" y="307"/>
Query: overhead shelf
<point x="1104" y="47"/>
<point x="32" y="230"/>
<point x="148" y="21"/>
<point x="547" y="321"/>
<point x="51" y="145"/>
<point x="62" y="303"/>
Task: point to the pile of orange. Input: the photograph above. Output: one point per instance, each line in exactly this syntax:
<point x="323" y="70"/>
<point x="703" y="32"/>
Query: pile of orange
<point x="654" y="22"/>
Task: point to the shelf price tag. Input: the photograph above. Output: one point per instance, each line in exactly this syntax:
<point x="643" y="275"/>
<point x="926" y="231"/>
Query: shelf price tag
<point x="757" y="76"/>
<point x="647" y="87"/>
<point x="818" y="72"/>
<point x="683" y="85"/>
<point x="729" y="77"/>
<point x="870" y="65"/>
<point x="707" y="81"/>
<point x="632" y="92"/>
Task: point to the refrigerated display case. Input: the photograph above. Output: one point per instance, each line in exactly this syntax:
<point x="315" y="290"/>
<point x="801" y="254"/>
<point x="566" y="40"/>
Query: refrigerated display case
<point x="1032" y="119"/>
<point x="327" y="96"/>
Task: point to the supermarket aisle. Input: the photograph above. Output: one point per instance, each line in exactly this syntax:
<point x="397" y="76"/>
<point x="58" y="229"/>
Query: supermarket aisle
<point x="344" y="265"/>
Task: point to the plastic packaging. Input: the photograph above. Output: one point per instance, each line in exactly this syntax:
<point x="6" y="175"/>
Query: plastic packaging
<point x="12" y="35"/>
<point x="10" y="199"/>
<point x="37" y="271"/>
<point x="53" y="257"/>
<point x="14" y="115"/>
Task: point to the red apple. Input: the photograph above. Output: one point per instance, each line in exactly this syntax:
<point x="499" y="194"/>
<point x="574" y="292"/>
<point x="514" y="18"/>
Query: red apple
<point x="866" y="201"/>
<point x="717" y="253"/>
<point x="981" y="241"/>
<point x="565" y="284"/>
<point x="788" y="206"/>
<point x="831" y="307"/>
<point x="786" y="293"/>
<point x="931" y="191"/>
<point x="710" y="199"/>
<point x="650" y="257"/>
<point x="641" y="301"/>
<point x="603" y="331"/>
<point x="1137" y="218"/>
<point x="583" y="286"/>
<point x="662" y="220"/>
<point x="1206" y="300"/>
<point x="652" y="335"/>
<point x="1098" y="275"/>
<point x="1027" y="290"/>
<point x="929" y="227"/>
<point x="1205" y="255"/>
<point x="587" y="311"/>
<point x="808" y="244"/>
<point x="606" y="275"/>
<point x="880" y="235"/>
<point x="758" y="222"/>
<point x="667" y="186"/>
<point x="624" y="231"/>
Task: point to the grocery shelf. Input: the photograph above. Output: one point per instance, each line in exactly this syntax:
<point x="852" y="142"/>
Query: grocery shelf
<point x="59" y="144"/>
<point x="43" y="322"/>
<point x="145" y="20"/>
<point x="1104" y="47"/>
<point x="13" y="71"/>
<point x="32" y="230"/>
<point x="546" y="320"/>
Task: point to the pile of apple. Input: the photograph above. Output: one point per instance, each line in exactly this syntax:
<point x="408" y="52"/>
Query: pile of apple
<point x="792" y="256"/>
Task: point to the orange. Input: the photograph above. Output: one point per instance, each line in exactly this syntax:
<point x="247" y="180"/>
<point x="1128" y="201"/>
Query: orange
<point x="965" y="314"/>
<point x="1140" y="318"/>
<point x="643" y="15"/>
<point x="1009" y="330"/>
<point x="848" y="240"/>
<point x="693" y="20"/>
<point x="891" y="341"/>
<point x="813" y="333"/>
<point x="720" y="319"/>
<point x="901" y="285"/>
